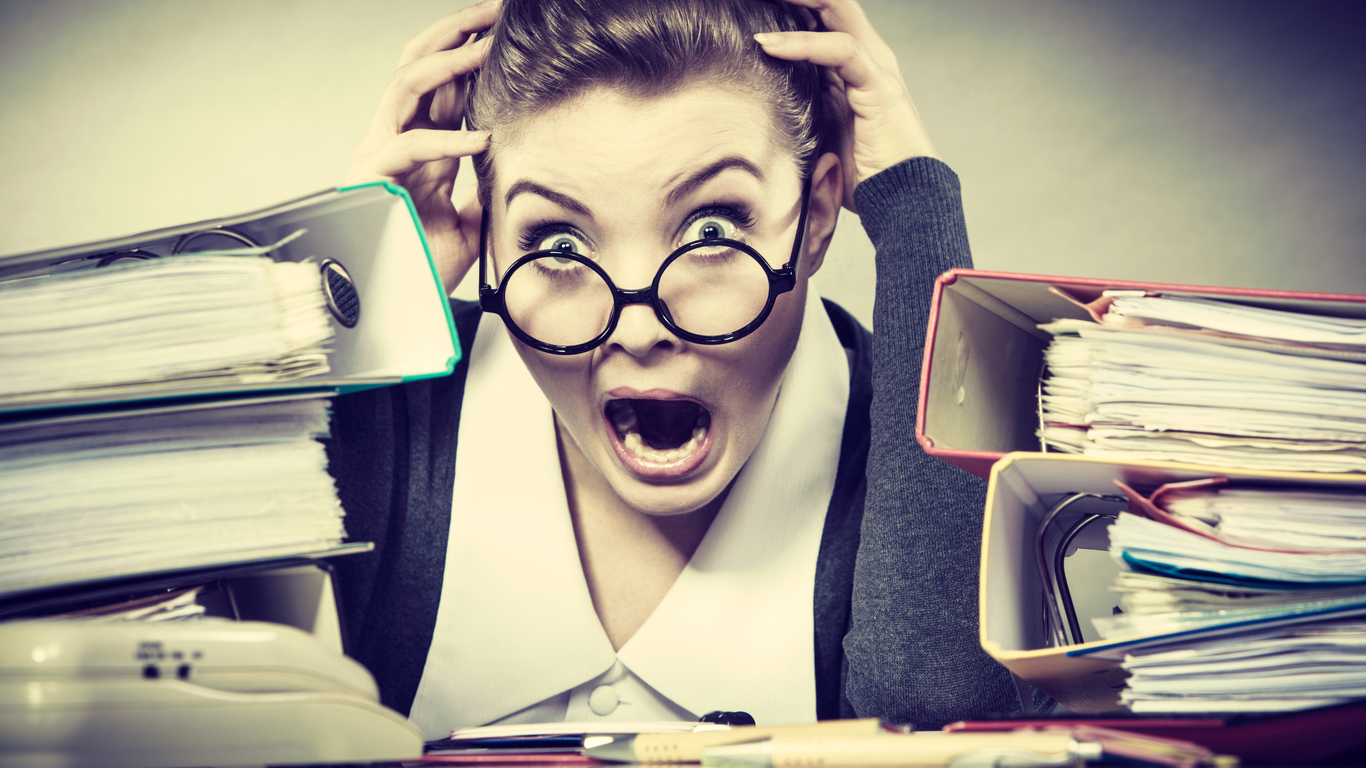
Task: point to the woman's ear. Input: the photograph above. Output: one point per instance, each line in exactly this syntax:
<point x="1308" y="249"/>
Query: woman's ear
<point x="827" y="194"/>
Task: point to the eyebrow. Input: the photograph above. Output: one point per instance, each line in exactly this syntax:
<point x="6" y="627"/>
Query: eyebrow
<point x="704" y="175"/>
<point x="688" y="186"/>
<point x="558" y="198"/>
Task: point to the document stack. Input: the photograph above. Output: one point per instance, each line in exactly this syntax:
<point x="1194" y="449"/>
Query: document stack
<point x="1281" y="569"/>
<point x="162" y="398"/>
<point x="1217" y="383"/>
<point x="163" y="394"/>
<point x="147" y="487"/>
<point x="1211" y="440"/>
<point x="1178" y="378"/>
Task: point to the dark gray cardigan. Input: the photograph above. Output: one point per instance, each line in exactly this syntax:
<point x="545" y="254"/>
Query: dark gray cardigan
<point x="896" y="578"/>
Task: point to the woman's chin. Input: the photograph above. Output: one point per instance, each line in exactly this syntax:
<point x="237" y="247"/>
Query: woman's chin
<point x="669" y="501"/>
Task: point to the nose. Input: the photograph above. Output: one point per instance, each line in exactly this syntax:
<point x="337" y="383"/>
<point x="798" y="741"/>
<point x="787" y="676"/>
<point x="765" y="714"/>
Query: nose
<point x="638" y="331"/>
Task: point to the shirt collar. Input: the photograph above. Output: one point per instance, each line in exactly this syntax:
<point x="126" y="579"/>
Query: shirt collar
<point x="516" y="624"/>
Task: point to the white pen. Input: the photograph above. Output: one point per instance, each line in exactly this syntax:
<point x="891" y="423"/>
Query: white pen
<point x="1031" y="748"/>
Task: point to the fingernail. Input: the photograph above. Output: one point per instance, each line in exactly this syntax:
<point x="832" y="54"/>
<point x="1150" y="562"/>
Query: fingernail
<point x="770" y="38"/>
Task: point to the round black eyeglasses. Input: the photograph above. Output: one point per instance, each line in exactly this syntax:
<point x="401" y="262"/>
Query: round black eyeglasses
<point x="709" y="291"/>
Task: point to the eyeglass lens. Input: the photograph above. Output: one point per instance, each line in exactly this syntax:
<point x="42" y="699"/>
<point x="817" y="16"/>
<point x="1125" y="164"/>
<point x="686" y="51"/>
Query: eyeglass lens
<point x="709" y="291"/>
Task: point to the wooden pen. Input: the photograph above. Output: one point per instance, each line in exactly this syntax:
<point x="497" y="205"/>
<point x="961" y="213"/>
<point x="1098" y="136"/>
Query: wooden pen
<point x="686" y="747"/>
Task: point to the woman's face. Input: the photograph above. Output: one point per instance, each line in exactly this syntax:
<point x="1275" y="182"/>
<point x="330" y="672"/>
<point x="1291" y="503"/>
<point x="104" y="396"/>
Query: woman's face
<point x="666" y="423"/>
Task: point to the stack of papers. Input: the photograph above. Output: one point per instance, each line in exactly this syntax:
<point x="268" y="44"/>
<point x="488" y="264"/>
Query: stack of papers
<point x="1147" y="594"/>
<point x="194" y="319"/>
<point x="1237" y="320"/>
<point x="104" y="494"/>
<point x="1297" y="667"/>
<point x="1328" y="520"/>
<point x="1250" y="551"/>
<point x="1208" y="382"/>
<point x="1161" y="548"/>
<point x="1277" y="576"/>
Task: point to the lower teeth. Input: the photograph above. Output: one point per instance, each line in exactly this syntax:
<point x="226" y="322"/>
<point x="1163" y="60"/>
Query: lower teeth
<point x="637" y="446"/>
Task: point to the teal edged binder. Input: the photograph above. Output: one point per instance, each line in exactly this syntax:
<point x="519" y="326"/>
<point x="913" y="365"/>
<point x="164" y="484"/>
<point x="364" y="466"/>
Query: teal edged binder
<point x="404" y="330"/>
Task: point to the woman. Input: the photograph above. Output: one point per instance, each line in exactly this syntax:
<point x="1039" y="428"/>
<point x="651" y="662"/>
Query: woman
<point x="638" y="504"/>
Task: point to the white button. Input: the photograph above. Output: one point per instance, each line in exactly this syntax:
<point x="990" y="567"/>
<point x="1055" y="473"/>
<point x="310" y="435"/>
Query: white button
<point x="603" y="700"/>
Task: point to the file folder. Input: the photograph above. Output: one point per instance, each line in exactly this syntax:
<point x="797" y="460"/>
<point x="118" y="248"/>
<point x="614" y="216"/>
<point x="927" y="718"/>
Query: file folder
<point x="402" y="330"/>
<point x="983" y="354"/>
<point x="1085" y="676"/>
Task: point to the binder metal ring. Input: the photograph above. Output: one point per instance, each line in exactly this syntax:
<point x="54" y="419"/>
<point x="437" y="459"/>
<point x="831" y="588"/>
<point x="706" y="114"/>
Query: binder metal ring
<point x="240" y="240"/>
<point x="340" y="291"/>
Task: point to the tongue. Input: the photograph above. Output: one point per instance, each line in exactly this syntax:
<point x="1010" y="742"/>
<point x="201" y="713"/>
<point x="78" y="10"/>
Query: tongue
<point x="665" y="424"/>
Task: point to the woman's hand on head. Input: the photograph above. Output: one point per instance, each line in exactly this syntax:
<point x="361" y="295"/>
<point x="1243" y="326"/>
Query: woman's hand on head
<point x="415" y="138"/>
<point x="881" y="124"/>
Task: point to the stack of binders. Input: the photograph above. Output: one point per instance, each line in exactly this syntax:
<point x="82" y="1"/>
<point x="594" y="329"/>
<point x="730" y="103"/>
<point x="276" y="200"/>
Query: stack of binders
<point x="161" y="404"/>
<point x="1177" y="475"/>
<point x="164" y="393"/>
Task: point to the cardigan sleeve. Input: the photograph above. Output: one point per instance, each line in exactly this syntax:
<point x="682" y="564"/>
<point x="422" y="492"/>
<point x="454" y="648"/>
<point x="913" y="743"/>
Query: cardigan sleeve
<point x="912" y="649"/>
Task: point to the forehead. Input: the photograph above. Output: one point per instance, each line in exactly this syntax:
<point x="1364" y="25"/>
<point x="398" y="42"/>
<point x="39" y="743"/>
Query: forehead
<point x="606" y="137"/>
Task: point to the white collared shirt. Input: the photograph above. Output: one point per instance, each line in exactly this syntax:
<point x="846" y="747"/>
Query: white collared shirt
<point x="517" y="637"/>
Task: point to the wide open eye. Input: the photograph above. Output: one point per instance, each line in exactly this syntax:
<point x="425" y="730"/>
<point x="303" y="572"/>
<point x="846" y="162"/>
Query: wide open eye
<point x="562" y="242"/>
<point x="710" y="228"/>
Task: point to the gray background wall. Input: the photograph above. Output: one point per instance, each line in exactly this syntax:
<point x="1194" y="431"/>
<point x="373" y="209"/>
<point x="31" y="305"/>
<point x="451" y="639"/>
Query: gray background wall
<point x="1200" y="141"/>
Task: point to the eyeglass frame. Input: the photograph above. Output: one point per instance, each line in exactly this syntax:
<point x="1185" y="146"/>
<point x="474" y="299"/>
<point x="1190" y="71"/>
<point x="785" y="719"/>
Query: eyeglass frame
<point x="780" y="281"/>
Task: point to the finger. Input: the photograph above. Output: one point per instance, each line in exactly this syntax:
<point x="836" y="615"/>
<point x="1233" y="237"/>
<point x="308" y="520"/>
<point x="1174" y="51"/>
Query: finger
<point x="410" y="150"/>
<point x="399" y="102"/>
<point x="837" y="50"/>
<point x="838" y="15"/>
<point x="848" y="16"/>
<point x="450" y="31"/>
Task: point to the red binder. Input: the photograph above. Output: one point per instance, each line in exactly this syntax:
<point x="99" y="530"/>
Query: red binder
<point x="983" y="353"/>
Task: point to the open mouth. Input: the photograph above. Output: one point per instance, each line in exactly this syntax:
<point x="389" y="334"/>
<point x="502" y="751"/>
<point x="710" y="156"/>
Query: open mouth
<point x="660" y="437"/>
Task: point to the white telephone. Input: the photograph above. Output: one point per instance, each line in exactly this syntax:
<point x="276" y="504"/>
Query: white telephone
<point x="205" y="692"/>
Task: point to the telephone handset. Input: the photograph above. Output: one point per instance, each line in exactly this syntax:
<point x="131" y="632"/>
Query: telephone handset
<point x="196" y="692"/>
